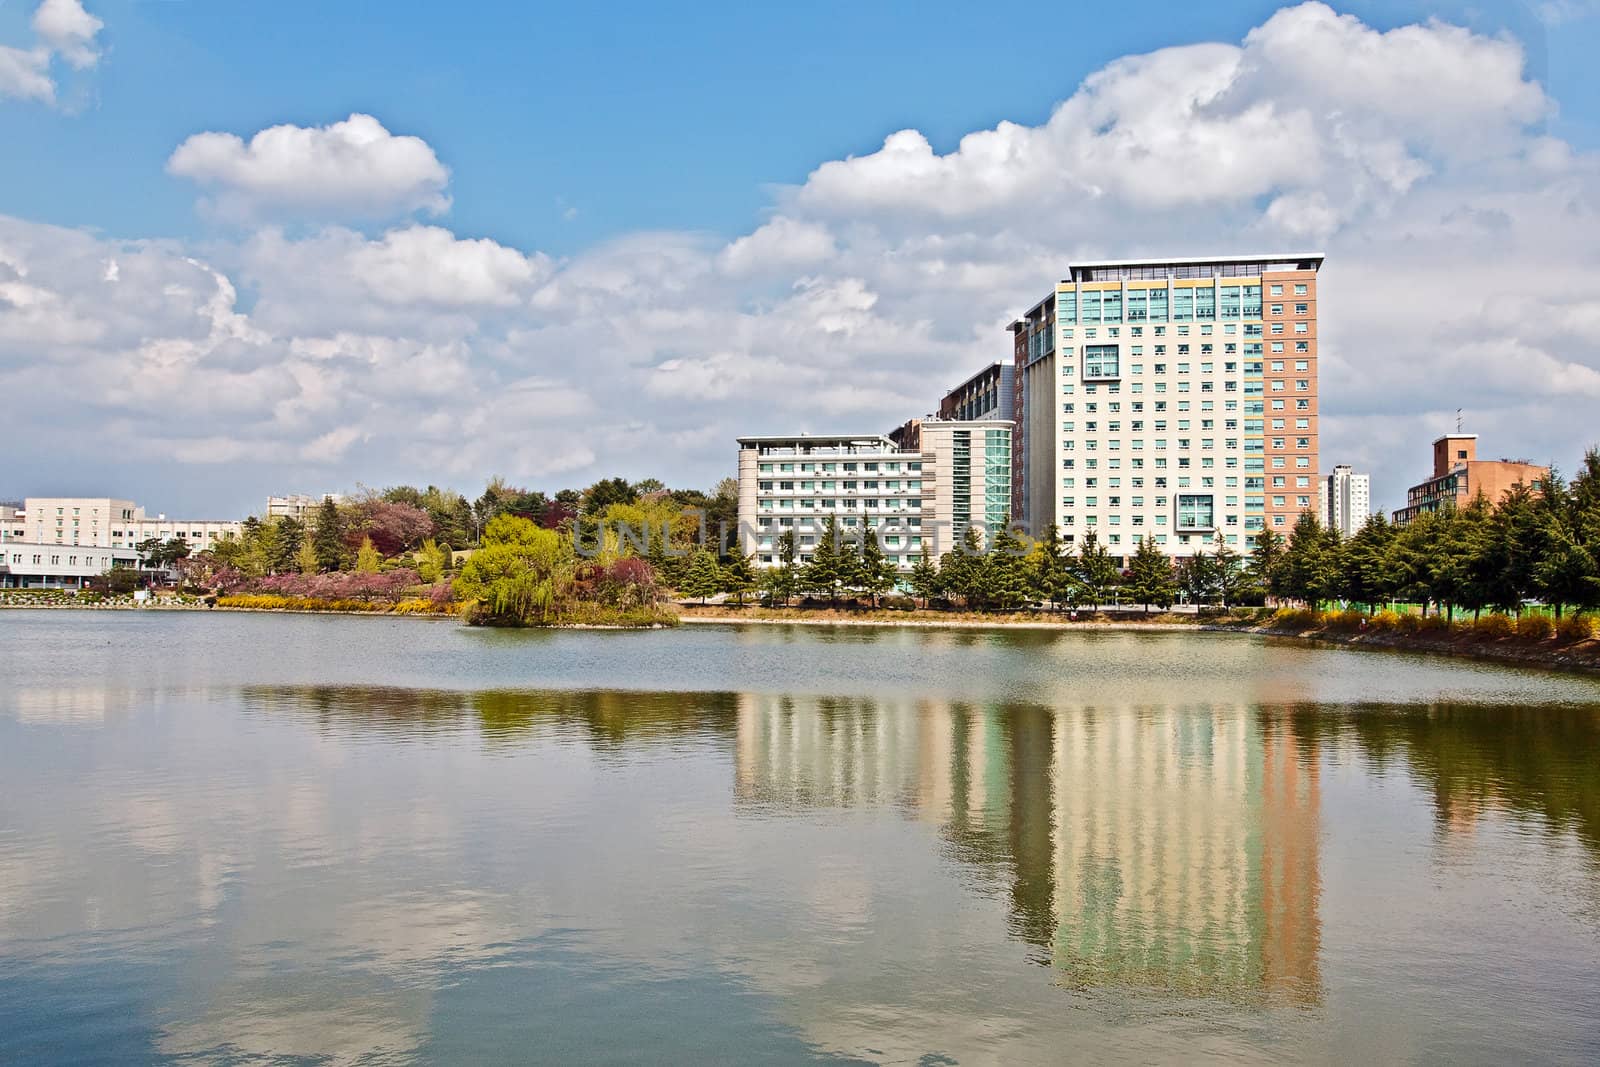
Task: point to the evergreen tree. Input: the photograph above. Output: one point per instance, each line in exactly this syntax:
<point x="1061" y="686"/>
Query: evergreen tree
<point x="291" y="535"/>
<point x="1513" y="540"/>
<point x="827" y="570"/>
<point x="962" y="571"/>
<point x="1304" y="568"/>
<point x="327" y="540"/>
<point x="1366" y="563"/>
<point x="1095" y="572"/>
<point x="1266" y="563"/>
<point x="925" y="581"/>
<point x="874" y="574"/>
<point x="703" y="578"/>
<point x="739" y="576"/>
<point x="1047" y="566"/>
<point x="784" y="578"/>
<point x="1150" y="577"/>
<point x="1228" y="571"/>
<point x="1008" y="582"/>
<point x="1198" y="578"/>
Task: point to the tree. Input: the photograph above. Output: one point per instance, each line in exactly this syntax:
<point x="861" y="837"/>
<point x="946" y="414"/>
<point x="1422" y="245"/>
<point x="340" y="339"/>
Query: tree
<point x="432" y="561"/>
<point x="784" y="578"/>
<point x="1008" y="578"/>
<point x="739" y="576"/>
<point x="367" y="558"/>
<point x="874" y="573"/>
<point x="1198" y="578"/>
<point x="608" y="491"/>
<point x="521" y="576"/>
<point x="1366" y="563"/>
<point x="327" y="539"/>
<point x="291" y="535"/>
<point x="925" y="577"/>
<point x="306" y="561"/>
<point x="962" y="571"/>
<point x="1095" y="572"/>
<point x="828" y="569"/>
<point x="1150" y="577"/>
<point x="1046" y="565"/>
<point x="1266" y="563"/>
<point x="1228" y="571"/>
<point x="704" y="577"/>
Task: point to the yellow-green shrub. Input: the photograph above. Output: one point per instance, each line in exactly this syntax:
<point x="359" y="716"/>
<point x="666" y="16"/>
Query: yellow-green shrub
<point x="1296" y="619"/>
<point x="1386" y="620"/>
<point x="1349" y="619"/>
<point x="1576" y="628"/>
<point x="1494" y="626"/>
<point x="1536" y="628"/>
<point x="417" y="606"/>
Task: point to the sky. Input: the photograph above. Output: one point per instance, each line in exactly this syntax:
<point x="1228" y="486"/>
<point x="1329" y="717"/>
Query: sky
<point x="349" y="245"/>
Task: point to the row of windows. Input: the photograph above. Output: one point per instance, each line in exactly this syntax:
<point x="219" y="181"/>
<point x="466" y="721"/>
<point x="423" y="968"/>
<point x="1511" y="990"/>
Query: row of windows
<point x="869" y="485"/>
<point x="836" y="468"/>
<point x="1091" y="333"/>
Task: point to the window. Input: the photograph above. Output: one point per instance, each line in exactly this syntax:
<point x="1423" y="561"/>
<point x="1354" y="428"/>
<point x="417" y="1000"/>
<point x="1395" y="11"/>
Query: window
<point x="1195" y="511"/>
<point x="1100" y="361"/>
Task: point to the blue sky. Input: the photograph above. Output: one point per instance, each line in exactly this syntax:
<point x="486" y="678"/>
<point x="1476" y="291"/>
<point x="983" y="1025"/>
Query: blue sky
<point x="651" y="117"/>
<point x="667" y="228"/>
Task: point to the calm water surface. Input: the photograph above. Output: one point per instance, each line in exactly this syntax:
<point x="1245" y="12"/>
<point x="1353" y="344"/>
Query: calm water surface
<point x="255" y="839"/>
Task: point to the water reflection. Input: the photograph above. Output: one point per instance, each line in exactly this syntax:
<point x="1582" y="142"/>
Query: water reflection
<point x="385" y="873"/>
<point x="1168" y="849"/>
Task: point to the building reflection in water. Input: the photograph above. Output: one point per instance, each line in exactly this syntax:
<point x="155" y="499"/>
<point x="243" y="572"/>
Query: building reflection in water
<point x="1171" y="849"/>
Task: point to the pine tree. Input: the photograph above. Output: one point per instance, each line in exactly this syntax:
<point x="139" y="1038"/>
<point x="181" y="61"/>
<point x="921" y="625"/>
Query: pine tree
<point x="328" y="542"/>
<point x="1266" y="563"/>
<point x="291" y="535"/>
<point x="784" y="578"/>
<point x="1095" y="572"/>
<point x="1008" y="582"/>
<point x="874" y="574"/>
<point x="925" y="581"/>
<point x="703" y="578"/>
<point x="1229" y="572"/>
<point x="739" y="576"/>
<point x="1046" y="565"/>
<point x="963" y="573"/>
<point x="1197" y="577"/>
<point x="1150" y="577"/>
<point x="825" y="573"/>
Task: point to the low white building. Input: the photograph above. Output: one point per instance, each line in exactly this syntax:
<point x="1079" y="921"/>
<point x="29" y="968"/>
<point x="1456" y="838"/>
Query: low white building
<point x="27" y="565"/>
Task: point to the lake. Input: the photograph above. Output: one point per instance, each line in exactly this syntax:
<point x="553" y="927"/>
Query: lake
<point x="230" y="838"/>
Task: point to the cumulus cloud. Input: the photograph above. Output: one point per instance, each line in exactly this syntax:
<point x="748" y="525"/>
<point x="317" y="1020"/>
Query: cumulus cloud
<point x="62" y="28"/>
<point x="1462" y="242"/>
<point x="354" y="168"/>
<point x="66" y="27"/>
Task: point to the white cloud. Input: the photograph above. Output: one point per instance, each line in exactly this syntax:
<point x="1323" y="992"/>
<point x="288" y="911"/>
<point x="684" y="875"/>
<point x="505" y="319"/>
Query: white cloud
<point x="349" y="169"/>
<point x="1462" y="242"/>
<point x="62" y="28"/>
<point x="66" y="27"/>
<point x="26" y="74"/>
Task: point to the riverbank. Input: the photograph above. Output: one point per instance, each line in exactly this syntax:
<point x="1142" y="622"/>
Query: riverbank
<point x="1463" y="641"/>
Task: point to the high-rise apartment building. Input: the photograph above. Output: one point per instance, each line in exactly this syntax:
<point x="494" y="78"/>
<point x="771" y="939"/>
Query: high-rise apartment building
<point x="1174" y="399"/>
<point x="1346" y="500"/>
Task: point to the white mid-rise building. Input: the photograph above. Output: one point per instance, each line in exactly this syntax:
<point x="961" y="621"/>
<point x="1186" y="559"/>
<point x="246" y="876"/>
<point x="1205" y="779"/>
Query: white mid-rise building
<point x="1346" y="500"/>
<point x="107" y="522"/>
<point x="958" y="476"/>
